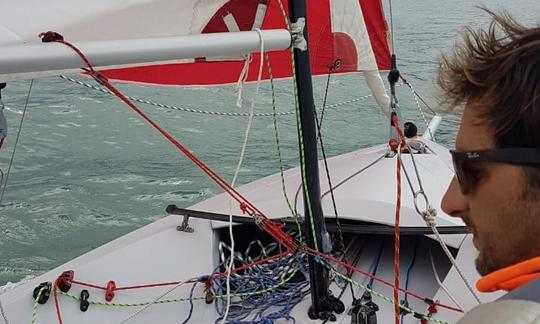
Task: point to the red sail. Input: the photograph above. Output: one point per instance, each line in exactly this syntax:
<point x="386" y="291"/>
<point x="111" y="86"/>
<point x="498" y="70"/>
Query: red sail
<point x="338" y="49"/>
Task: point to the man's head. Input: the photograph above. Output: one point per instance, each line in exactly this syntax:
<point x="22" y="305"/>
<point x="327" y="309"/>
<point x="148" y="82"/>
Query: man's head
<point x="496" y="72"/>
<point x="410" y="130"/>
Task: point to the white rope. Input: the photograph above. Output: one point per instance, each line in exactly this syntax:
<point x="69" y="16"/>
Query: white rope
<point x="429" y="218"/>
<point x="241" y="80"/>
<point x="237" y="171"/>
<point x="130" y="317"/>
<point x="443" y="287"/>
<point x="428" y="214"/>
<point x="207" y="112"/>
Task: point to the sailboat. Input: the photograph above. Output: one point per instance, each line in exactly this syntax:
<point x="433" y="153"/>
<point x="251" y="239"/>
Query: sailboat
<point x="284" y="265"/>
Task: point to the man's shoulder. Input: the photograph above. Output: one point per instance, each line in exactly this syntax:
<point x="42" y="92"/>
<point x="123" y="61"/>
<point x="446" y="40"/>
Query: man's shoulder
<point x="504" y="311"/>
<point x="529" y="291"/>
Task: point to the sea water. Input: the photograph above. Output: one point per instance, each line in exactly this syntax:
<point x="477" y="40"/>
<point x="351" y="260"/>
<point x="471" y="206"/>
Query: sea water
<point x="87" y="169"/>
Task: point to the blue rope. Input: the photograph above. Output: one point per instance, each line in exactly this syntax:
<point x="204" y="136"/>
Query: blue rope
<point x="268" y="306"/>
<point x="409" y="271"/>
<point x="374" y="271"/>
<point x="200" y="279"/>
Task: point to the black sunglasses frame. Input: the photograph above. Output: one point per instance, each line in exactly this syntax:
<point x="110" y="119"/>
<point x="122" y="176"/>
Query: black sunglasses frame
<point x="464" y="168"/>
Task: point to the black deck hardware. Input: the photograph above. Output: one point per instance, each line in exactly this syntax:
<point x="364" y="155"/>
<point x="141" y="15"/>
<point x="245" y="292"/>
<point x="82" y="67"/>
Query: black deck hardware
<point x="352" y="227"/>
<point x="45" y="289"/>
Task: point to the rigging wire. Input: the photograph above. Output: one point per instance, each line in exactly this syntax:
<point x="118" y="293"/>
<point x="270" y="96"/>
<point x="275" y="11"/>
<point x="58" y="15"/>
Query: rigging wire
<point x="417" y="97"/>
<point x="411" y="265"/>
<point x="239" y="165"/>
<point x="443" y="287"/>
<point x="391" y="27"/>
<point x="338" y="247"/>
<point x="16" y="140"/>
<point x="376" y="264"/>
<point x="428" y="215"/>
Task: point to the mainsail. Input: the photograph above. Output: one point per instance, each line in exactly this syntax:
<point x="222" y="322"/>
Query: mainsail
<point x="345" y="35"/>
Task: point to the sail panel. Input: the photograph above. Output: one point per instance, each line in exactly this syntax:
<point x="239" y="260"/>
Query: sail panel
<point x="359" y="44"/>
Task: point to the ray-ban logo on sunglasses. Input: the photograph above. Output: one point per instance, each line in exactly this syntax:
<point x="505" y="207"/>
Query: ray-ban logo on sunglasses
<point x="473" y="155"/>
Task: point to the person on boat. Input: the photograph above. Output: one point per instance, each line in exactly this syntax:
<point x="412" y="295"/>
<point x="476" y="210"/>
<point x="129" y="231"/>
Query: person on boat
<point x="410" y="130"/>
<point x="411" y="136"/>
<point x="496" y="187"/>
<point x="3" y="122"/>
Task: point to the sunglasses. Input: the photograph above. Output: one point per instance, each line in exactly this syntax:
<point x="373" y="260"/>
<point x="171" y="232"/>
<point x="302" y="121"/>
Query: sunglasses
<point x="469" y="172"/>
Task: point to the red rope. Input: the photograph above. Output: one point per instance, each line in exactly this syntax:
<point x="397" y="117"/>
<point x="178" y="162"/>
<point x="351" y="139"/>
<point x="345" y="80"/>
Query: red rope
<point x="246" y="206"/>
<point x="395" y="123"/>
<point x="56" y="304"/>
<point x="396" y="243"/>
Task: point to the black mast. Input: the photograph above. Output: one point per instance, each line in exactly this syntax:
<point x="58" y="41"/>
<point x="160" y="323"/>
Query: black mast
<point x="323" y="304"/>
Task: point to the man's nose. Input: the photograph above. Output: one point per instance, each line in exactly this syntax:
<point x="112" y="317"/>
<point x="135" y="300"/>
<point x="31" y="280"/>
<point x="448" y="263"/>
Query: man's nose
<point x="454" y="202"/>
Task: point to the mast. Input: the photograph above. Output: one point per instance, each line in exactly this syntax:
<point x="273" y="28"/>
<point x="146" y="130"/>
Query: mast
<point x="322" y="303"/>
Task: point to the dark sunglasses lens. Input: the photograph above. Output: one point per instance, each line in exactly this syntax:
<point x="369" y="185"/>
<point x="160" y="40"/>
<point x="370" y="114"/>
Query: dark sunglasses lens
<point x="468" y="175"/>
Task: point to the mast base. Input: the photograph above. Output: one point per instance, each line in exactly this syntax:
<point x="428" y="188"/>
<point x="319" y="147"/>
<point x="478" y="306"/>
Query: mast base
<point x="327" y="308"/>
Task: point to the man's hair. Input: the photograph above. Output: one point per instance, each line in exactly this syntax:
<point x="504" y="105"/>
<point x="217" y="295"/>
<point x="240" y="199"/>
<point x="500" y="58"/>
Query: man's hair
<point x="410" y="130"/>
<point x="499" y="69"/>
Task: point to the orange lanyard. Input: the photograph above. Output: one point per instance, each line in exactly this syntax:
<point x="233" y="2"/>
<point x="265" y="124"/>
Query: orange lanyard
<point x="511" y="277"/>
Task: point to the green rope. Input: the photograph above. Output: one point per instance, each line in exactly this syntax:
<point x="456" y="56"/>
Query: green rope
<point x="300" y="139"/>
<point x="278" y="146"/>
<point x="385" y="298"/>
<point x="178" y="300"/>
<point x="34" y="308"/>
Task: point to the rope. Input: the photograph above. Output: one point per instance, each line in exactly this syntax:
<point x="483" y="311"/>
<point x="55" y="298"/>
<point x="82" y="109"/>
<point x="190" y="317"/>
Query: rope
<point x="396" y="231"/>
<point x="16" y="141"/>
<point x="375" y="293"/>
<point x="430" y="220"/>
<point x="191" y="301"/>
<point x="339" y="245"/>
<point x="443" y="287"/>
<point x="260" y="219"/>
<point x="246" y="206"/>
<point x="278" y="147"/>
<point x="34" y="307"/>
<point x="241" y="80"/>
<point x="391" y="26"/>
<point x="428" y="215"/>
<point x="56" y="304"/>
<point x="239" y="165"/>
<point x="207" y="112"/>
<point x="416" y="98"/>
<point x="411" y="265"/>
<point x="356" y="173"/>
<point x="417" y="95"/>
<point x="145" y="305"/>
<point x="332" y="259"/>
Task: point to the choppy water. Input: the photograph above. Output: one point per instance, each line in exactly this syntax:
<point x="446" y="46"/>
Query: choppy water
<point x="87" y="170"/>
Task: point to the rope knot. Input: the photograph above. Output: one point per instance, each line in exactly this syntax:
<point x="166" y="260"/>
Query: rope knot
<point x="429" y="215"/>
<point x="50" y="36"/>
<point x="244" y="207"/>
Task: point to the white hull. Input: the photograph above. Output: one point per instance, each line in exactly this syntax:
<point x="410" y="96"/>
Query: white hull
<point x="159" y="253"/>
